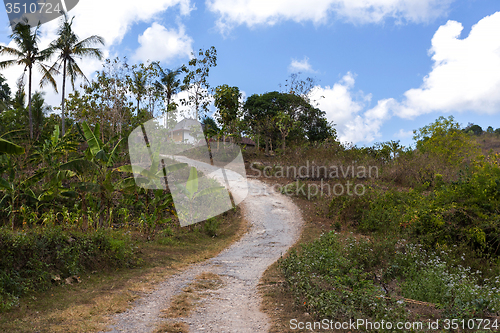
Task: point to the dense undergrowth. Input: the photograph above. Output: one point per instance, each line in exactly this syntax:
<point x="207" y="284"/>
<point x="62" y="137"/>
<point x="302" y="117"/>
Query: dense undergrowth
<point x="70" y="205"/>
<point x="425" y="231"/>
<point x="38" y="258"/>
<point x="440" y="215"/>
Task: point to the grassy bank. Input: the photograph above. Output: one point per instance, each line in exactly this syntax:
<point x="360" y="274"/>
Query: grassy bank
<point x="86" y="302"/>
<point x="421" y="243"/>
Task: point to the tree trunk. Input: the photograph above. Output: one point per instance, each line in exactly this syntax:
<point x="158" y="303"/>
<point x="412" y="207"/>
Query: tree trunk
<point x="30" y="115"/>
<point x="283" y="144"/>
<point x="63" y="117"/>
<point x="85" y="224"/>
<point x="166" y="115"/>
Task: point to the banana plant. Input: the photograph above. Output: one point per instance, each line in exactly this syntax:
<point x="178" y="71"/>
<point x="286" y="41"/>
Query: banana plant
<point x="190" y="190"/>
<point x="12" y="188"/>
<point x="48" y="155"/>
<point x="7" y="147"/>
<point x="152" y="178"/>
<point x="94" y="169"/>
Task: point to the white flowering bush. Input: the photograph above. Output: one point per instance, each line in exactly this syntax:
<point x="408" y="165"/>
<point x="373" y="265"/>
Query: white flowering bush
<point x="435" y="277"/>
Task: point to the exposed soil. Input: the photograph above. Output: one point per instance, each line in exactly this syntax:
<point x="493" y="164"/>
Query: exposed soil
<point x="274" y="225"/>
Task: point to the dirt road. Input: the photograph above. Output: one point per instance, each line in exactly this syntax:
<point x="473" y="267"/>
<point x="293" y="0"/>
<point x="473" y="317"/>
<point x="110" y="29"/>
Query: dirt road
<point x="275" y="224"/>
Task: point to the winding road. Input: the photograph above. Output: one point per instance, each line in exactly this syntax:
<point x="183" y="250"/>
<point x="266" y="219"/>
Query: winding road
<point x="275" y="223"/>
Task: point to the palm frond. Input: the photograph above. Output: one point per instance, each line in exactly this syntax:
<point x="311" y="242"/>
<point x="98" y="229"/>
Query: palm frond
<point x="48" y="76"/>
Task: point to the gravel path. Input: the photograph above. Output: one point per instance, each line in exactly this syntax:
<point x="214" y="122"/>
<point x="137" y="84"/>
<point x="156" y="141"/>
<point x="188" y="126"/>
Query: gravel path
<point x="275" y="224"/>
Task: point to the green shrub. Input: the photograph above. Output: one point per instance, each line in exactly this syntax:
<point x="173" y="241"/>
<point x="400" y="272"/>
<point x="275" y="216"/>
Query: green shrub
<point x="331" y="278"/>
<point x="462" y="212"/>
<point x="211" y="226"/>
<point x="435" y="277"/>
<point x="31" y="258"/>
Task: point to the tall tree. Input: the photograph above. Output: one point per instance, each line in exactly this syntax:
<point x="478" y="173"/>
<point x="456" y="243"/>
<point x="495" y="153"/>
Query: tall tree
<point x="171" y="85"/>
<point x="227" y="102"/>
<point x="195" y="81"/>
<point x="4" y="94"/>
<point x="105" y="100"/>
<point x="69" y="47"/>
<point x="273" y="115"/>
<point x="40" y="109"/>
<point x="28" y="55"/>
<point x="137" y="84"/>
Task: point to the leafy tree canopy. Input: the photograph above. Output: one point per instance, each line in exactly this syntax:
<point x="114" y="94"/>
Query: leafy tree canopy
<point x="444" y="138"/>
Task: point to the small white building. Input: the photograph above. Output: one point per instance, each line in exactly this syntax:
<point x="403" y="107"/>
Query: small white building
<point x="188" y="130"/>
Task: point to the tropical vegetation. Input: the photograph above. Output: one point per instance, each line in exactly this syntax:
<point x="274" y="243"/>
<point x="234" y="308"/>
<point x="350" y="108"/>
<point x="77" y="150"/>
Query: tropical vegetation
<point x="425" y="228"/>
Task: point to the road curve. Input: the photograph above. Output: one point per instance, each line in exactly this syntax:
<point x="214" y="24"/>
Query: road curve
<point x="275" y="223"/>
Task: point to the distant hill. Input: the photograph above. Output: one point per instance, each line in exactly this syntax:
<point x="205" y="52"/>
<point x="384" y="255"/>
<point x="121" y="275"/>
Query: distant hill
<point x="489" y="141"/>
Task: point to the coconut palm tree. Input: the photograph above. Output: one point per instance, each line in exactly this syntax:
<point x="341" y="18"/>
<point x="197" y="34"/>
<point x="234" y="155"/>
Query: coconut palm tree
<point x="40" y="110"/>
<point x="170" y="83"/>
<point x="137" y="84"/>
<point x="69" y="47"/>
<point x="28" y="55"/>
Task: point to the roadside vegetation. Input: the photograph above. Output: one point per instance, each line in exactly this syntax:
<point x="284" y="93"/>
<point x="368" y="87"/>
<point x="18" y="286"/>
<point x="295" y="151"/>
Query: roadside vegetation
<point x="392" y="232"/>
<point x="79" y="240"/>
<point x="420" y="243"/>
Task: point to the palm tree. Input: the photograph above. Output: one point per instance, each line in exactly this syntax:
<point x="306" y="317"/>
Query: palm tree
<point x="138" y="84"/>
<point x="170" y="83"/>
<point x="40" y="109"/>
<point x="28" y="55"/>
<point x="69" y="46"/>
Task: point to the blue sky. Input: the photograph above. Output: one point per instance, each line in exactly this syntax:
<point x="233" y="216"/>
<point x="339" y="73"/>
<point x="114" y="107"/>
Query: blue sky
<point x="383" y="67"/>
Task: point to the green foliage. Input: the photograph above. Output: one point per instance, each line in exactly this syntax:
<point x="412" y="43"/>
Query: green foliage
<point x="4" y="93"/>
<point x="31" y="259"/>
<point x="463" y="212"/>
<point x="444" y="139"/>
<point x="474" y="129"/>
<point x="196" y="80"/>
<point x="331" y="278"/>
<point x="211" y="226"/>
<point x="170" y="85"/>
<point x="437" y="278"/>
<point x="68" y="48"/>
<point x="227" y="102"/>
<point x="27" y="54"/>
<point x="297" y="119"/>
<point x="7" y="147"/>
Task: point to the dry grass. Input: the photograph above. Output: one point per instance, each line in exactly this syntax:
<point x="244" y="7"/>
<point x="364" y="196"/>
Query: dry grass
<point x="277" y="301"/>
<point x="206" y="281"/>
<point x="89" y="305"/>
<point x="184" y="303"/>
<point x="489" y="142"/>
<point x="168" y="327"/>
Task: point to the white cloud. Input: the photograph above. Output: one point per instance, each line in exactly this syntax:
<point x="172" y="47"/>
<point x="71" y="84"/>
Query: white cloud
<point x="300" y="65"/>
<point x="262" y="12"/>
<point x="365" y="128"/>
<point x="188" y="111"/>
<point x="402" y="134"/>
<point x="344" y="108"/>
<point x="161" y="44"/>
<point x="110" y="19"/>
<point x="465" y="75"/>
